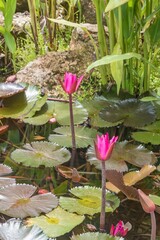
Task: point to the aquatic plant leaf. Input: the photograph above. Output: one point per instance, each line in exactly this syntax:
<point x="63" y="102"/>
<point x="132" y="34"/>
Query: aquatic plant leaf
<point x="43" y="116"/>
<point x="114" y="163"/>
<point x="88" y="201"/>
<point x="114" y="4"/>
<point x="41" y="153"/>
<point x="4" y="129"/>
<point x="155" y="199"/>
<point x="10" y="89"/>
<point x="17" y="200"/>
<point x="116" y="178"/>
<point x="5" y="170"/>
<point x="56" y="223"/>
<point x="84" y="136"/>
<point x="154" y="127"/>
<point x="93" y="107"/>
<point x="15" y="230"/>
<point x="95" y="236"/>
<point x="147" y="137"/>
<point x="23" y="104"/>
<point x="63" y="116"/>
<point x="132" y="177"/>
<point x="133" y="113"/>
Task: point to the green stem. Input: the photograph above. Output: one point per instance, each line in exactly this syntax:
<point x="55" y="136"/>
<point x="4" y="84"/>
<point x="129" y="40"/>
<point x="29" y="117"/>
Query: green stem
<point x="103" y="205"/>
<point x="153" y="224"/>
<point x="74" y="152"/>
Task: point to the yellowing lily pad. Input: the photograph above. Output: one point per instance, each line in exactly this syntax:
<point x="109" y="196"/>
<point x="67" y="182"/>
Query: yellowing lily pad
<point x="56" y="223"/>
<point x="95" y="236"/>
<point x="88" y="201"/>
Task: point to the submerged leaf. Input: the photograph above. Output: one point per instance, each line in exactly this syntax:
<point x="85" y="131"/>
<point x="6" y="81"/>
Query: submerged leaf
<point x="88" y="201"/>
<point x="41" y="153"/>
<point x="56" y="223"/>
<point x="17" y="200"/>
<point x="84" y="136"/>
<point x="134" y="113"/>
<point x="95" y="236"/>
<point x="15" y="230"/>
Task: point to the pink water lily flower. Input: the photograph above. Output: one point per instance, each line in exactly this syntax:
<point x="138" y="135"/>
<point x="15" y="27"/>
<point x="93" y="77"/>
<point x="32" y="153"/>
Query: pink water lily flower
<point x="147" y="204"/>
<point x="118" y="230"/>
<point x="104" y="146"/>
<point x="71" y="83"/>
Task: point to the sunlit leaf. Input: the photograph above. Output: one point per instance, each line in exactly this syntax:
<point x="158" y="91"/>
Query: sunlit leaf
<point x="63" y="116"/>
<point x="10" y="89"/>
<point x="117" y="163"/>
<point x="17" y="200"/>
<point x="132" y="177"/>
<point x="84" y="136"/>
<point x="155" y="199"/>
<point x="133" y="113"/>
<point x="15" y="230"/>
<point x="88" y="201"/>
<point x="5" y="170"/>
<point x="114" y="4"/>
<point x="41" y="153"/>
<point x="56" y="223"/>
<point x="147" y="137"/>
<point x="95" y="236"/>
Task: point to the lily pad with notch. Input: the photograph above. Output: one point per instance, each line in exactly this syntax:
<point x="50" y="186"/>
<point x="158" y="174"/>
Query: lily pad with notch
<point x="132" y="112"/>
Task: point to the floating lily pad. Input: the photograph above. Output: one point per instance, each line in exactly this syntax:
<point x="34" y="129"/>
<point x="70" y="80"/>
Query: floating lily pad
<point x="95" y="236"/>
<point x="43" y="116"/>
<point x="147" y="137"/>
<point x="134" y="113"/>
<point x="56" y="223"/>
<point x="84" y="136"/>
<point x="62" y="113"/>
<point x="17" y="200"/>
<point x="88" y="201"/>
<point x="116" y="163"/>
<point x="5" y="170"/>
<point x="10" y="89"/>
<point x="14" y="229"/>
<point x="41" y="153"/>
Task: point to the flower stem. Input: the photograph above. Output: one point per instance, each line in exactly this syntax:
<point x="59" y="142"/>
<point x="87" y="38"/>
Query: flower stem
<point x="103" y="205"/>
<point x="153" y="225"/>
<point x="74" y="152"/>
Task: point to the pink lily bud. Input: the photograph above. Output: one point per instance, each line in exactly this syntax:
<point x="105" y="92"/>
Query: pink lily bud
<point x="71" y="83"/>
<point x="147" y="204"/>
<point x="104" y="146"/>
<point x="120" y="229"/>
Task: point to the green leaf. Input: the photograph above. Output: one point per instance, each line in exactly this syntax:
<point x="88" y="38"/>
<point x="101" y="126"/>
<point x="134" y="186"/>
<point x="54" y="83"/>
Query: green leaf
<point x="113" y="58"/>
<point x="41" y="153"/>
<point x="147" y="137"/>
<point x="155" y="199"/>
<point x="133" y="113"/>
<point x="10" y="41"/>
<point x="66" y="23"/>
<point x="41" y="117"/>
<point x="88" y="201"/>
<point x="2" y="5"/>
<point x="10" y="8"/>
<point x="62" y="114"/>
<point x="56" y="223"/>
<point x="117" y="67"/>
<point x="10" y="89"/>
<point x="2" y="30"/>
<point x="95" y="236"/>
<point x="154" y="127"/>
<point x="114" y="4"/>
<point x="84" y="136"/>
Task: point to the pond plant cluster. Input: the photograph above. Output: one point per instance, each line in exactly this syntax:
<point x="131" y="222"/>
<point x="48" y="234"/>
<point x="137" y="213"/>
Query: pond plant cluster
<point x="79" y="169"/>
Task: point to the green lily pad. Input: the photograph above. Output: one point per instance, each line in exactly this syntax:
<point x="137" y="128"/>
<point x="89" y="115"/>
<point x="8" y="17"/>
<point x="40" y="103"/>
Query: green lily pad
<point x="10" y="89"/>
<point x="147" y="137"/>
<point x="23" y="104"/>
<point x="14" y="229"/>
<point x="56" y="223"/>
<point x="134" y="113"/>
<point x="84" y="136"/>
<point x="88" y="201"/>
<point x="155" y="199"/>
<point x="43" y="116"/>
<point x="95" y="236"/>
<point x="157" y="108"/>
<point x="62" y="113"/>
<point x="116" y="163"/>
<point x="154" y="127"/>
<point x="41" y="153"/>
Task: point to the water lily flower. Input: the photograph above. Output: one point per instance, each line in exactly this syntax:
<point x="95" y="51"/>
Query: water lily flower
<point x="71" y="83"/>
<point x="147" y="204"/>
<point x="119" y="230"/>
<point x="104" y="146"/>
